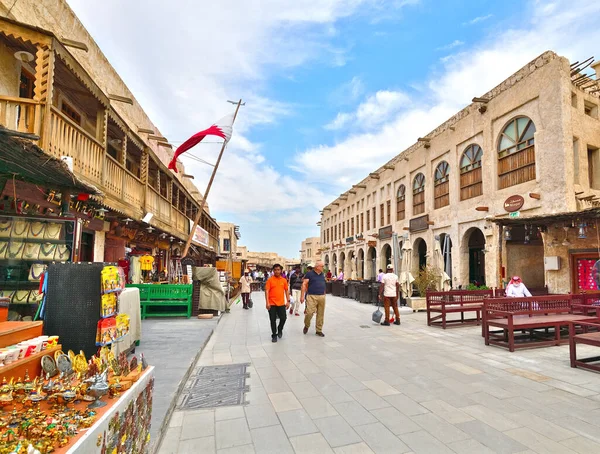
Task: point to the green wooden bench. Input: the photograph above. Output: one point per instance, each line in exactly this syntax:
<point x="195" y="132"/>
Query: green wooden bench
<point x="165" y="300"/>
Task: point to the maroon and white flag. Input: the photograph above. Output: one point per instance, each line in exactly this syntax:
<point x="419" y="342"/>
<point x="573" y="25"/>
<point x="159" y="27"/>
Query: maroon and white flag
<point x="222" y="128"/>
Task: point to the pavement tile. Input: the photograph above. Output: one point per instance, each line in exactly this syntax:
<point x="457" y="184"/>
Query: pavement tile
<point x="261" y="416"/>
<point x="170" y="441"/>
<point x="490" y="437"/>
<point x="304" y="389"/>
<point x="542" y="426"/>
<point x="469" y="446"/>
<point x="369" y="399"/>
<point x="297" y="422"/>
<point x="196" y="445"/>
<point x="197" y="424"/>
<point x="246" y="449"/>
<point x="354" y="413"/>
<point x="446" y="411"/>
<point x="335" y="394"/>
<point x="581" y="445"/>
<point x="439" y="428"/>
<point x="424" y="443"/>
<point x="293" y="376"/>
<point x="268" y="372"/>
<point x="463" y="368"/>
<point x="317" y="407"/>
<point x="380" y="387"/>
<point x="284" y="401"/>
<point x="491" y="418"/>
<point x="357" y="448"/>
<point x="380" y="439"/>
<point x="406" y="405"/>
<point x="275" y="385"/>
<point x="225" y="413"/>
<point x="271" y="440"/>
<point x="311" y="444"/>
<point x="336" y="431"/>
<point x="395" y="421"/>
<point x="176" y="419"/>
<point x="537" y="442"/>
<point x="349" y="383"/>
<point x="233" y="432"/>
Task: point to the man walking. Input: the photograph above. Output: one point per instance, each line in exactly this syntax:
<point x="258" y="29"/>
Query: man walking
<point x="278" y="301"/>
<point x="389" y="291"/>
<point x="245" y="282"/>
<point x="296" y="279"/>
<point x="313" y="290"/>
<point x="380" y="275"/>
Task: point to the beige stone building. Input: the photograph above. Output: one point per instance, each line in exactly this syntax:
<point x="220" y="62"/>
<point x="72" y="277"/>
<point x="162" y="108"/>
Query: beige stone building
<point x="228" y="239"/>
<point x="310" y="250"/>
<point x="530" y="146"/>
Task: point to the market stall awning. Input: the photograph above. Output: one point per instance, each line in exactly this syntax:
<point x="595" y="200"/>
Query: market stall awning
<point x="548" y="219"/>
<point x="23" y="160"/>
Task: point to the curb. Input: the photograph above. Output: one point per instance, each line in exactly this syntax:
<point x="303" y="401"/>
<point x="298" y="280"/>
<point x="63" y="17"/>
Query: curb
<point x="167" y="420"/>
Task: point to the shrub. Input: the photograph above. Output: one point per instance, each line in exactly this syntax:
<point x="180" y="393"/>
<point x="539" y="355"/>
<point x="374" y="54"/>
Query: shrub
<point x="427" y="279"/>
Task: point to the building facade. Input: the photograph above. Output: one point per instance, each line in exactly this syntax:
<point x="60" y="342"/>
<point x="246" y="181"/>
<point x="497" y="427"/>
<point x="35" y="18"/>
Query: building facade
<point x="56" y="85"/>
<point x="310" y="250"/>
<point x="530" y="147"/>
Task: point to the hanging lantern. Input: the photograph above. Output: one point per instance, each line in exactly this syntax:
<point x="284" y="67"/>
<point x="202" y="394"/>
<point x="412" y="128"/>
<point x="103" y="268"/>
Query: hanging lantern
<point x="527" y="235"/>
<point x="507" y="233"/>
<point x="581" y="232"/>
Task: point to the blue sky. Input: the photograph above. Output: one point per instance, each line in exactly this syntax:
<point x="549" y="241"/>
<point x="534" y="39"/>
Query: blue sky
<point x="334" y="88"/>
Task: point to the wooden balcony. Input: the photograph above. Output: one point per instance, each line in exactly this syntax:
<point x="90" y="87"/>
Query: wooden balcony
<point x="19" y="114"/>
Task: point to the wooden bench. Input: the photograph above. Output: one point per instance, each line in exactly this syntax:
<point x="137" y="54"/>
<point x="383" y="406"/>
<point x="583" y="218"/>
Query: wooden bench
<point x="531" y="317"/>
<point x="587" y="338"/>
<point x="453" y="302"/>
<point x="165" y="300"/>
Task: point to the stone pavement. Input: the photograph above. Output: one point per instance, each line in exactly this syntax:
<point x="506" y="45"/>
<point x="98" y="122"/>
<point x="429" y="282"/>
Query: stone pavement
<point x="366" y="388"/>
<point x="172" y="346"/>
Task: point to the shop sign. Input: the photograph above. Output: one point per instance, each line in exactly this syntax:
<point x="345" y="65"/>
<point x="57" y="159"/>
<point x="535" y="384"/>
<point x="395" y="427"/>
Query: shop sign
<point x="350" y="240"/>
<point x="514" y="214"/>
<point x="418" y="224"/>
<point x="514" y="203"/>
<point x="372" y="243"/>
<point x="200" y="236"/>
<point x="360" y="237"/>
<point x="385" y="232"/>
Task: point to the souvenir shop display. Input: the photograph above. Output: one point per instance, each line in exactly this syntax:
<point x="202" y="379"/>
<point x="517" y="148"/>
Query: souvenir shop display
<point x="27" y="246"/>
<point x="112" y="327"/>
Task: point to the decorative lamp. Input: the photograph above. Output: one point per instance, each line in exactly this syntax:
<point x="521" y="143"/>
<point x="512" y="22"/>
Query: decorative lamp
<point x="581" y="232"/>
<point x="507" y="233"/>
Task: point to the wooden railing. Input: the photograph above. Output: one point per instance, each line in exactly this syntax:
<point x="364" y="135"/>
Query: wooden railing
<point x="157" y="204"/>
<point x="133" y="190"/>
<point x="113" y="177"/>
<point x="66" y="138"/>
<point x="179" y="220"/>
<point x="19" y="114"/>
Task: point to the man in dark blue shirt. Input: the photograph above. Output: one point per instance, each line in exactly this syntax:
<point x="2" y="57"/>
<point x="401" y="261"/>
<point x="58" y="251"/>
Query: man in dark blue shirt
<point x="313" y="290"/>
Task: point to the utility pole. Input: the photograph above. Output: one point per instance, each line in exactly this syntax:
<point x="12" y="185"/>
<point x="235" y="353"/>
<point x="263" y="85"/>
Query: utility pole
<point x="205" y="195"/>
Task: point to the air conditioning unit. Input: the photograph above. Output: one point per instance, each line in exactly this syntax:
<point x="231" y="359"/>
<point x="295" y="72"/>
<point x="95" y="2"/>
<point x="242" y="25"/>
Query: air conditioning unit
<point x="552" y="263"/>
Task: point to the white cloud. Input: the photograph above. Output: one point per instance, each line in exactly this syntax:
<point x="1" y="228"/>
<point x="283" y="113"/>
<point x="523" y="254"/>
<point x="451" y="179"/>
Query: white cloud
<point x="452" y="86"/>
<point x="452" y="45"/>
<point x="478" y="19"/>
<point x="375" y="110"/>
<point x="347" y="93"/>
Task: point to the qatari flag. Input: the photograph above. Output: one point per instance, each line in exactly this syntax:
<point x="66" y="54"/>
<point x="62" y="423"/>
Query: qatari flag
<point x="222" y="128"/>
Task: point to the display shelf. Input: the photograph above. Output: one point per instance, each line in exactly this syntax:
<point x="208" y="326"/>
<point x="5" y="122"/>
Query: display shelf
<point x="5" y="284"/>
<point x="12" y="333"/>
<point x="32" y="364"/>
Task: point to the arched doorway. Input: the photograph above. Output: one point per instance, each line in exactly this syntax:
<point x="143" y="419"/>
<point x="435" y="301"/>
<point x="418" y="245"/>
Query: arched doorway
<point x="386" y="257"/>
<point x="476" y="246"/>
<point x="371" y="263"/>
<point x="342" y="263"/>
<point x="351" y="266"/>
<point x="360" y="264"/>
<point x="419" y="255"/>
<point x="326" y="262"/>
<point x="446" y="249"/>
<point x="334" y="265"/>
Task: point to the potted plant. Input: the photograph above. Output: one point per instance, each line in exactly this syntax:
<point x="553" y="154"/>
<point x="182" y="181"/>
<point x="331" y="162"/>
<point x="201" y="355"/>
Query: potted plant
<point x="427" y="279"/>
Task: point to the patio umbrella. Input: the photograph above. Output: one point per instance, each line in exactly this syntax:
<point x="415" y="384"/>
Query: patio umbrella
<point x="438" y="259"/>
<point x="406" y="278"/>
<point x="353" y="268"/>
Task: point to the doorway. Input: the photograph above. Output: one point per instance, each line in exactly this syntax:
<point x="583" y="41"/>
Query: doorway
<point x="477" y="257"/>
<point x="371" y="263"/>
<point x="87" y="247"/>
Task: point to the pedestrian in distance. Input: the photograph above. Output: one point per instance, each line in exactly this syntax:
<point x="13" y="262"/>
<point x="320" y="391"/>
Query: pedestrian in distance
<point x="380" y="275"/>
<point x="245" y="282"/>
<point x="516" y="288"/>
<point x="313" y="290"/>
<point x="296" y="280"/>
<point x="278" y="301"/>
<point x="389" y="291"/>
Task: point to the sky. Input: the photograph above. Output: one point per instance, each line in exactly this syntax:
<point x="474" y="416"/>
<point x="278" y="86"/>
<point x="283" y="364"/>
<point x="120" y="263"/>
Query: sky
<point x="333" y="88"/>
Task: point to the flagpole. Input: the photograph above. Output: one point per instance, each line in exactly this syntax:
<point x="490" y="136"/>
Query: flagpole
<point x="205" y="195"/>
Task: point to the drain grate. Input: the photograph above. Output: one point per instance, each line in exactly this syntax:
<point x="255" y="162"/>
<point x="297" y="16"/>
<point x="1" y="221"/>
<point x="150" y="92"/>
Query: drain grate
<point x="215" y="386"/>
<point x="364" y="326"/>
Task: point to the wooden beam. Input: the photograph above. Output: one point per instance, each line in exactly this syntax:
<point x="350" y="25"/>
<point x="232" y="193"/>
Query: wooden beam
<point x="25" y="33"/>
<point x="76" y="44"/>
<point x="165" y="144"/>
<point x="374" y="175"/>
<point x="351" y="191"/>
<point x="430" y="223"/>
<point x="145" y="131"/>
<point x="425" y="141"/>
<point x="389" y="167"/>
<point x="158" y="138"/>
<point x="405" y="228"/>
<point x="535" y="196"/>
<point x="482" y="208"/>
<point x="360" y="186"/>
<point x="120" y="98"/>
<point x="483" y="100"/>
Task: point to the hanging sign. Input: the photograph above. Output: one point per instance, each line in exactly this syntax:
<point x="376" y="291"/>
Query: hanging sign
<point x="200" y="236"/>
<point x="418" y="224"/>
<point x="514" y="214"/>
<point x="514" y="203"/>
<point x="385" y="232"/>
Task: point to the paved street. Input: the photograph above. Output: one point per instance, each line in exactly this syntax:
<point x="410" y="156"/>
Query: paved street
<point x="366" y="388"/>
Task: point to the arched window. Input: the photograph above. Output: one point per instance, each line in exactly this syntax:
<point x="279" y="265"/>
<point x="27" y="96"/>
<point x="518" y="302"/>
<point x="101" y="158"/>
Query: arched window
<point x="441" y="193"/>
<point x="400" y="203"/>
<point x="419" y="194"/>
<point x="470" y="172"/>
<point x="516" y="153"/>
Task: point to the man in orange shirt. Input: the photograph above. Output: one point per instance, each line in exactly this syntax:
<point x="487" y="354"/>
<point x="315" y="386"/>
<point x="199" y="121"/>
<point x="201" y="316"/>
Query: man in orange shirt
<point x="278" y="301"/>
